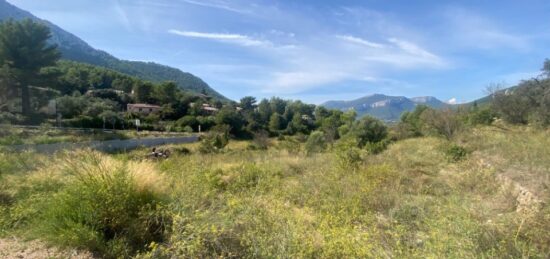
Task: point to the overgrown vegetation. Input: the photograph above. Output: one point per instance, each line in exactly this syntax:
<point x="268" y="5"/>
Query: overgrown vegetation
<point x="421" y="197"/>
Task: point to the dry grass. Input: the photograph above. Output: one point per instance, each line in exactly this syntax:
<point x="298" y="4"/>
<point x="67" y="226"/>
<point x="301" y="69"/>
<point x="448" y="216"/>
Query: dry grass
<point x="409" y="201"/>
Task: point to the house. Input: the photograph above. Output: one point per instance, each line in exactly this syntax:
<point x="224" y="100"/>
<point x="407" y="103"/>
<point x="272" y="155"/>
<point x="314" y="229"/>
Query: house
<point x="142" y="108"/>
<point x="209" y="109"/>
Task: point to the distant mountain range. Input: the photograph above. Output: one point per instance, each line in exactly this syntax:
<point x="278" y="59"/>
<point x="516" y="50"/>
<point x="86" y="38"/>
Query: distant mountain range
<point x="75" y="49"/>
<point x="384" y="107"/>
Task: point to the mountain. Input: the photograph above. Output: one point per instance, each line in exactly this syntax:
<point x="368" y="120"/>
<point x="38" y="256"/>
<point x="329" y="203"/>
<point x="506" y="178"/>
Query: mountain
<point x="384" y="107"/>
<point x="429" y="101"/>
<point x="75" y="49"/>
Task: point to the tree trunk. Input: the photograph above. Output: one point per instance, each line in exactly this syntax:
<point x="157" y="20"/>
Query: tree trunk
<point x="25" y="99"/>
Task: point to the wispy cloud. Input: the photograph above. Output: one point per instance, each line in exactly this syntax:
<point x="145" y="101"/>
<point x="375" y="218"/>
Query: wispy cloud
<point x="413" y="49"/>
<point x="223" y="5"/>
<point x="122" y="15"/>
<point x="395" y="51"/>
<point x="238" y="39"/>
<point x="357" y="40"/>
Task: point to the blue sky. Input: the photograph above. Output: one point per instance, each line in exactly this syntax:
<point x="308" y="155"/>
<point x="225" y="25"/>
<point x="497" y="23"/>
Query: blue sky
<point x="320" y="50"/>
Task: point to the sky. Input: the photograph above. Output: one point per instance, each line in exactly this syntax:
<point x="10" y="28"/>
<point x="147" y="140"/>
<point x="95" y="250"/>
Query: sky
<point x="321" y="50"/>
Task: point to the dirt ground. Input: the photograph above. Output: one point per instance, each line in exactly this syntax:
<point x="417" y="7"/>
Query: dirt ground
<point x="12" y="248"/>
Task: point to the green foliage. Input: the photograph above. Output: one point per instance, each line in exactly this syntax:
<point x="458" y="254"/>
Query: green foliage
<point x="104" y="209"/>
<point x="481" y="116"/>
<point x="446" y="123"/>
<point x="377" y="147"/>
<point x="276" y="122"/>
<point x="411" y="123"/>
<point x="24" y="50"/>
<point x="230" y="117"/>
<point x="214" y="141"/>
<point x="347" y="153"/>
<point x="528" y="102"/>
<point x="455" y="153"/>
<point x="315" y="143"/>
<point x="368" y="129"/>
<point x="407" y="202"/>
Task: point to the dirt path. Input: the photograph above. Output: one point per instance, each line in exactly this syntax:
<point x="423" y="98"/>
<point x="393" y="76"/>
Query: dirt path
<point x="17" y="249"/>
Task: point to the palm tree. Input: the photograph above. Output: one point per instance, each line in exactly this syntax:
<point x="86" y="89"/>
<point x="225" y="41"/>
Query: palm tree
<point x="24" y="50"/>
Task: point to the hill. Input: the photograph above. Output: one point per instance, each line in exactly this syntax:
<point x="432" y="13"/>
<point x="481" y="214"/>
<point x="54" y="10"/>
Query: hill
<point x="75" y="49"/>
<point x="384" y="107"/>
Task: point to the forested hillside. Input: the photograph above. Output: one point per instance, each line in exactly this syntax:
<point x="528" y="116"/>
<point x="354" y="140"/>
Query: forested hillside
<point x="73" y="48"/>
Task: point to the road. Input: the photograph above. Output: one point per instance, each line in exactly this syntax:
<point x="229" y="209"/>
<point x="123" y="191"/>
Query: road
<point x="106" y="146"/>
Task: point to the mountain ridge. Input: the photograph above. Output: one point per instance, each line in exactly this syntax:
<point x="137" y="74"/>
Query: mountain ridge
<point x="75" y="49"/>
<point x="384" y="107"/>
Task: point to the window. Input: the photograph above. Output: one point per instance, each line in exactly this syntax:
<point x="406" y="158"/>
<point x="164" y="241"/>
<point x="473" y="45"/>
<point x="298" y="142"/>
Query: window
<point x="140" y="109"/>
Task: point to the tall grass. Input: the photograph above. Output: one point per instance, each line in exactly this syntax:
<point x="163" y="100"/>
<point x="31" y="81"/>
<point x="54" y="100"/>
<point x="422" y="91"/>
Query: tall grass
<point x="417" y="199"/>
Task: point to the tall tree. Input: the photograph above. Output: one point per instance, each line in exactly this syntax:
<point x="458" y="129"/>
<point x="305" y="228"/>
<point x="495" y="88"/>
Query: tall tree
<point x="24" y="50"/>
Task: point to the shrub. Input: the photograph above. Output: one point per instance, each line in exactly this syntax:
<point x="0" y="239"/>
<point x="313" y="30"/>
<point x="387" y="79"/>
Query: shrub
<point x="410" y="123"/>
<point x="368" y="129"/>
<point x="481" y="116"/>
<point x="315" y="142"/>
<point x="377" y="147"/>
<point x="348" y="155"/>
<point x="444" y="123"/>
<point x="214" y="141"/>
<point x="260" y="140"/>
<point x="111" y="208"/>
<point x="455" y="153"/>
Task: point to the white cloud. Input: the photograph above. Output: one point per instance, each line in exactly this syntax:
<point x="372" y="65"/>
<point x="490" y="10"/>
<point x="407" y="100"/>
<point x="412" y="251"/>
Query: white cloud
<point x="360" y="41"/>
<point x="121" y="15"/>
<point x="452" y="101"/>
<point x="219" y="4"/>
<point x="238" y="39"/>
<point x="413" y="49"/>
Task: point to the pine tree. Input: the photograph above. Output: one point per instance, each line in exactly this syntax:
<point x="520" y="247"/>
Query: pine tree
<point x="24" y="50"/>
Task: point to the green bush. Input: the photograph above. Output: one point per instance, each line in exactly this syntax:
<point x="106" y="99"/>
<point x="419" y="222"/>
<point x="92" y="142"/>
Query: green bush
<point x="455" y="153"/>
<point x="105" y="210"/>
<point x="368" y="129"/>
<point x="315" y="143"/>
<point x="481" y="116"/>
<point x="213" y="142"/>
<point x="377" y="147"/>
<point x="347" y="154"/>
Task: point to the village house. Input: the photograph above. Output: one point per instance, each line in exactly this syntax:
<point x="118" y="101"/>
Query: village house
<point x="142" y="108"/>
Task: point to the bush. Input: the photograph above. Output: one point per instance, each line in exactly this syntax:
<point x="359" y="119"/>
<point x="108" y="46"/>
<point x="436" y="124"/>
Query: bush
<point x="368" y="129"/>
<point x="347" y="154"/>
<point x="315" y="143"/>
<point x="481" y="116"/>
<point x="110" y="208"/>
<point x="455" y="153"/>
<point x="213" y="142"/>
<point x="444" y="123"/>
<point x="377" y="147"/>
<point x="410" y="123"/>
<point x="260" y="140"/>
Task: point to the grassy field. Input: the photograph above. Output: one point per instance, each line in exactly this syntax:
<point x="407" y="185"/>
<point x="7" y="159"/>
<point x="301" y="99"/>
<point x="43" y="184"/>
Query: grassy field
<point x="47" y="135"/>
<point x="482" y="195"/>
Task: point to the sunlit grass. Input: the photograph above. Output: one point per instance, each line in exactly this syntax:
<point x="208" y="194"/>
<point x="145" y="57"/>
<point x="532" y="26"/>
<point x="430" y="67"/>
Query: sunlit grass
<point x="410" y="201"/>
